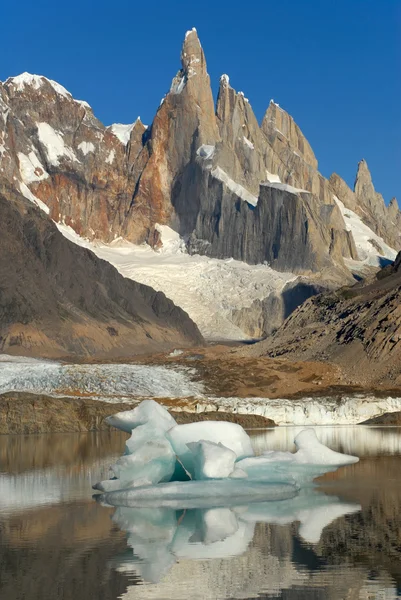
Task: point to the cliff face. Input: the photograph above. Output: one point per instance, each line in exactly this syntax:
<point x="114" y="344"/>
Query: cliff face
<point x="198" y="168"/>
<point x="384" y="220"/>
<point x="57" y="299"/>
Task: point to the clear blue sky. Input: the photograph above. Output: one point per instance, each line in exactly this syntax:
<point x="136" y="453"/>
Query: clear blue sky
<point x="335" y="65"/>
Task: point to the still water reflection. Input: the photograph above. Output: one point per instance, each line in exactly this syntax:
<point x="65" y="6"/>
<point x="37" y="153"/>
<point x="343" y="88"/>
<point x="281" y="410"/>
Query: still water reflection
<point x="339" y="541"/>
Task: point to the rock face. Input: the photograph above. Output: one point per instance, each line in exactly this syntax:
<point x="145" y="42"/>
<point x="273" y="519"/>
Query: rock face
<point x="60" y="153"/>
<point x="384" y="220"/>
<point x="358" y="328"/>
<point x="57" y="299"/>
<point x="199" y="169"/>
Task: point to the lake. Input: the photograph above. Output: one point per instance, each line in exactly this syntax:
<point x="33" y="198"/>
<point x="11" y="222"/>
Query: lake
<point x="340" y="539"/>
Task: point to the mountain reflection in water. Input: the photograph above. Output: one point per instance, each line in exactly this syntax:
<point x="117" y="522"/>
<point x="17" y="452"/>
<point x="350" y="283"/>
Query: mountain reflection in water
<point x="341" y="539"/>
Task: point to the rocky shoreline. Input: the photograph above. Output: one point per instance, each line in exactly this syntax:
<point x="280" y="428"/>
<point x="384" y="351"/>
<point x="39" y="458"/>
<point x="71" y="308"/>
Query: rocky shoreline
<point x="23" y="413"/>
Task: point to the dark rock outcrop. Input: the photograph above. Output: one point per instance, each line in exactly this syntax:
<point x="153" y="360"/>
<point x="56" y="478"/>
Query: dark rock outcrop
<point x="58" y="299"/>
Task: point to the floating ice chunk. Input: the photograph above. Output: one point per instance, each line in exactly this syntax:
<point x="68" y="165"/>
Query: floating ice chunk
<point x="149" y="460"/>
<point x="310" y="461"/>
<point x="147" y="411"/>
<point x="211" y="461"/>
<point x="311" y="451"/>
<point x="152" y="462"/>
<point x="230" y="435"/>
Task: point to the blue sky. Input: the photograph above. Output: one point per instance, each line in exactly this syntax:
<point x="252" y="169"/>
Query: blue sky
<point x="335" y="65"/>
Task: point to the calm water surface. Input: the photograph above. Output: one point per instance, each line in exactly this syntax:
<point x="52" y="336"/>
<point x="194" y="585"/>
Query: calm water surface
<point x="341" y="540"/>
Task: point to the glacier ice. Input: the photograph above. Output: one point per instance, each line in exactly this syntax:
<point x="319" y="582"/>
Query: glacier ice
<point x="231" y="435"/>
<point x="214" y="514"/>
<point x="211" y="461"/>
<point x="147" y="411"/>
<point x="311" y="451"/>
<point x="218" y="457"/>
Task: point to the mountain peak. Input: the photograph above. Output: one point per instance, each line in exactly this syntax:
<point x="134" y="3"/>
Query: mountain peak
<point x="192" y="56"/>
<point x="36" y="82"/>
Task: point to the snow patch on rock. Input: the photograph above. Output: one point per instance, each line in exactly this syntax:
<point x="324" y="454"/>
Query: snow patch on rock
<point x="26" y="192"/>
<point x="31" y="168"/>
<point x="363" y="236"/>
<point x="54" y="144"/>
<point x="238" y="189"/>
<point x="86" y="147"/>
<point x="121" y="131"/>
<point x="248" y="143"/>
<point x="272" y="178"/>
<point x="285" y="187"/>
<point x="111" y="157"/>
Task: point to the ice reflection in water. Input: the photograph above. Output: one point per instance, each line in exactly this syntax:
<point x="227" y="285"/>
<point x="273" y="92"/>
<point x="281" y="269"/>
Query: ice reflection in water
<point x="67" y="544"/>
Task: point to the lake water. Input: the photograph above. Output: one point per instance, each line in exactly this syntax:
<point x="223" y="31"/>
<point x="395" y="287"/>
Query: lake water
<point x="340" y="540"/>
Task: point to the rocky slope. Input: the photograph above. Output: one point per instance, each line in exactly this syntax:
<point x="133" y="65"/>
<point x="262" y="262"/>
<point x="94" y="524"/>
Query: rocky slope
<point x="57" y="299"/>
<point x="358" y="328"/>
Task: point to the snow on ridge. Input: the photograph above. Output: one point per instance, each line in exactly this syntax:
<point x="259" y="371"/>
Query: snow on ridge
<point x="238" y="189"/>
<point x="36" y="82"/>
<point x="193" y="30"/>
<point x="31" y="169"/>
<point x="362" y="234"/>
<point x="26" y="192"/>
<point x="122" y="131"/>
<point x="86" y="147"/>
<point x="225" y="80"/>
<point x="284" y="186"/>
<point x="54" y="144"/>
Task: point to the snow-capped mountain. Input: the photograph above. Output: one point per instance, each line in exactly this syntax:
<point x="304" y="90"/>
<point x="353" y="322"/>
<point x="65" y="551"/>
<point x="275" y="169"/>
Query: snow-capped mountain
<point x="225" y="186"/>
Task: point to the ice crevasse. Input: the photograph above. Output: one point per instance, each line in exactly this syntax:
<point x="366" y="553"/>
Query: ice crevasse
<point x="195" y="463"/>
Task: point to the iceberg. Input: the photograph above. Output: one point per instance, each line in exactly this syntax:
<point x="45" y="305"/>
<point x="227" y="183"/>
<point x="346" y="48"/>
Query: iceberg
<point x="231" y="435"/>
<point x="196" y="464"/>
<point x="147" y="411"/>
<point x="212" y="461"/>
